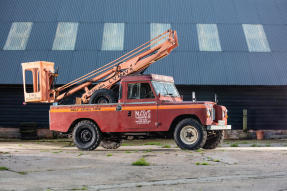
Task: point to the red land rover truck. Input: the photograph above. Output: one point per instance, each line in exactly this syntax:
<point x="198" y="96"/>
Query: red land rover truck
<point x="147" y="105"/>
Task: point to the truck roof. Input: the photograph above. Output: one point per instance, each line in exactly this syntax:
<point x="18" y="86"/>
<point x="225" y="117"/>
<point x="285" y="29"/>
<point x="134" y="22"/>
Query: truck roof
<point x="148" y="77"/>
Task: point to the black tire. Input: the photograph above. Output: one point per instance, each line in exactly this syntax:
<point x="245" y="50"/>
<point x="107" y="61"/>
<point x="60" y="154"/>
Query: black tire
<point x="103" y="96"/>
<point x="111" y="144"/>
<point x="189" y="127"/>
<point x="214" y="139"/>
<point x="86" y="135"/>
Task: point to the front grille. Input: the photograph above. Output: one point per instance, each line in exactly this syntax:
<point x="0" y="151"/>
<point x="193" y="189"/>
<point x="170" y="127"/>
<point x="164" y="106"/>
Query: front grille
<point x="213" y="114"/>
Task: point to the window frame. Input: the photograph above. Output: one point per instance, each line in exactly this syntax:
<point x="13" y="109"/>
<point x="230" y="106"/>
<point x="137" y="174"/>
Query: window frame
<point x="140" y="100"/>
<point x="62" y="41"/>
<point x="204" y="35"/>
<point x="260" y="38"/>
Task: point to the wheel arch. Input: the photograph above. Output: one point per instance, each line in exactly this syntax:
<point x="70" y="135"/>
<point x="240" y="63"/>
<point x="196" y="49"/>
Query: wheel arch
<point x="71" y="128"/>
<point x="177" y="119"/>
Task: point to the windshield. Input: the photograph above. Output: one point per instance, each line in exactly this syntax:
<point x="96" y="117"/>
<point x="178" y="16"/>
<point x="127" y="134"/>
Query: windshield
<point x="165" y="89"/>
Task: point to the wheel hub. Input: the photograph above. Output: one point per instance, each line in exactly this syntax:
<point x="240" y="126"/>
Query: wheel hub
<point x="189" y="134"/>
<point x="86" y="135"/>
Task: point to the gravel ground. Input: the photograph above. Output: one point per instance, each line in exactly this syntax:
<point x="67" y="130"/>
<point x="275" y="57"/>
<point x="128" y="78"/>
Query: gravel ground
<point x="57" y="165"/>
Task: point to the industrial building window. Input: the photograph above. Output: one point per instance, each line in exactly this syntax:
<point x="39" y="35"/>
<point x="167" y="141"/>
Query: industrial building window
<point x="156" y="29"/>
<point x="113" y="36"/>
<point x="18" y="36"/>
<point x="208" y="37"/>
<point x="256" y="38"/>
<point x="66" y="35"/>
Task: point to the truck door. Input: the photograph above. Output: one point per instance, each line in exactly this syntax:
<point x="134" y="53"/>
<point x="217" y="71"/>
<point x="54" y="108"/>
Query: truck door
<point x="139" y="111"/>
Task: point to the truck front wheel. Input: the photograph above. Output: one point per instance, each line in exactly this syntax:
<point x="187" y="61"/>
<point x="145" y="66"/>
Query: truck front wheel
<point x="86" y="135"/>
<point x="190" y="134"/>
<point x="214" y="138"/>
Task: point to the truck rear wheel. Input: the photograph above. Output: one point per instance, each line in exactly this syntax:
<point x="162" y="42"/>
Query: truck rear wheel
<point x="189" y="134"/>
<point x="86" y="135"/>
<point x="102" y="96"/>
<point x="111" y="144"/>
<point x="214" y="138"/>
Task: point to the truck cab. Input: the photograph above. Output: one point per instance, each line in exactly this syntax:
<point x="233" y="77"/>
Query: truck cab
<point x="147" y="105"/>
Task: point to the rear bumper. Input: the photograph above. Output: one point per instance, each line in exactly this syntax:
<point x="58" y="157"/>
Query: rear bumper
<point x="218" y="127"/>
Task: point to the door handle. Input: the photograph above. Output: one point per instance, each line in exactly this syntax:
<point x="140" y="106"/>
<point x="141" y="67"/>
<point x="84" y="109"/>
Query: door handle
<point x="129" y="113"/>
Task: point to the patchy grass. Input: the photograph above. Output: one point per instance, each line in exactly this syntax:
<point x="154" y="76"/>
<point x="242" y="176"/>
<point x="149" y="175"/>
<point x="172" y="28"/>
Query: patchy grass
<point x="109" y="154"/>
<point x="234" y="145"/>
<point x="255" y="145"/>
<point x="3" y="168"/>
<point x="202" y="163"/>
<point x="199" y="150"/>
<point x="56" y="152"/>
<point x="83" y="188"/>
<point x="153" y="143"/>
<point x="268" y="145"/>
<point x="128" y="152"/>
<point x="22" y="173"/>
<point x="4" y="152"/>
<point x="80" y="154"/>
<point x="166" y="146"/>
<point x="216" y="160"/>
<point x="147" y="151"/>
<point x="141" y="162"/>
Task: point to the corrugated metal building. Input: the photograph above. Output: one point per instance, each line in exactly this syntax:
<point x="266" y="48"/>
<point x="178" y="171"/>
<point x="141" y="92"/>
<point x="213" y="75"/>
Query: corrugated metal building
<point x="236" y="49"/>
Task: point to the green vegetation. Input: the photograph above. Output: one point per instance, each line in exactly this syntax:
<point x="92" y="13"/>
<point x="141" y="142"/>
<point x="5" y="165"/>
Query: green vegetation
<point x="22" y="173"/>
<point x="56" y="152"/>
<point x="202" y="163"/>
<point x="153" y="143"/>
<point x="128" y="152"/>
<point x="268" y="145"/>
<point x="109" y="154"/>
<point x="147" y="151"/>
<point x="140" y="162"/>
<point x="3" y="168"/>
<point x="234" y="145"/>
<point x="166" y="146"/>
<point x="83" y="188"/>
<point x="80" y="154"/>
<point x="198" y="150"/>
<point x="244" y="142"/>
<point x="216" y="160"/>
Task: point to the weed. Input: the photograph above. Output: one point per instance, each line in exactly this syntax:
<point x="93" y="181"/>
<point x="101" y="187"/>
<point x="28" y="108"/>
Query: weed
<point x="254" y="145"/>
<point x="139" y="185"/>
<point x="153" y="143"/>
<point x="234" y="145"/>
<point x="202" y="163"/>
<point x="166" y="146"/>
<point x="20" y="145"/>
<point x="3" y="168"/>
<point x="109" y="154"/>
<point x="216" y="160"/>
<point x="80" y="154"/>
<point x="147" y="151"/>
<point x="198" y="150"/>
<point x="268" y="145"/>
<point x="56" y="152"/>
<point x="141" y="162"/>
<point x="22" y="173"/>
<point x="128" y="152"/>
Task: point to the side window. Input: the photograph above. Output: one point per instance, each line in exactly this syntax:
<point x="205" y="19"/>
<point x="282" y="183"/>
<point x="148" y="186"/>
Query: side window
<point x="139" y="91"/>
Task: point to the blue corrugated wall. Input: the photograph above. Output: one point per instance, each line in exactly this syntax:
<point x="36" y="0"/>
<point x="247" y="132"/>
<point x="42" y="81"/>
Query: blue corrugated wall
<point x="234" y="65"/>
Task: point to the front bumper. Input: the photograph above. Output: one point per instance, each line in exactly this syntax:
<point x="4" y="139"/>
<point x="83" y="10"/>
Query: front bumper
<point x="218" y="127"/>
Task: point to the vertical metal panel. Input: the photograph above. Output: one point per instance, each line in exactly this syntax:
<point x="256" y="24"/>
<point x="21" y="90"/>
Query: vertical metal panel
<point x="18" y="36"/>
<point x="89" y="36"/>
<point x="66" y="35"/>
<point x="42" y="36"/>
<point x="4" y="31"/>
<point x="247" y="12"/>
<point x="232" y="37"/>
<point x="203" y="11"/>
<point x="277" y="37"/>
<point x="268" y="12"/>
<point x="188" y="40"/>
<point x="7" y="10"/>
<point x="237" y="66"/>
<point x="281" y="6"/>
<point x="135" y="35"/>
<point x="71" y="10"/>
<point x="225" y="11"/>
<point x="63" y="60"/>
